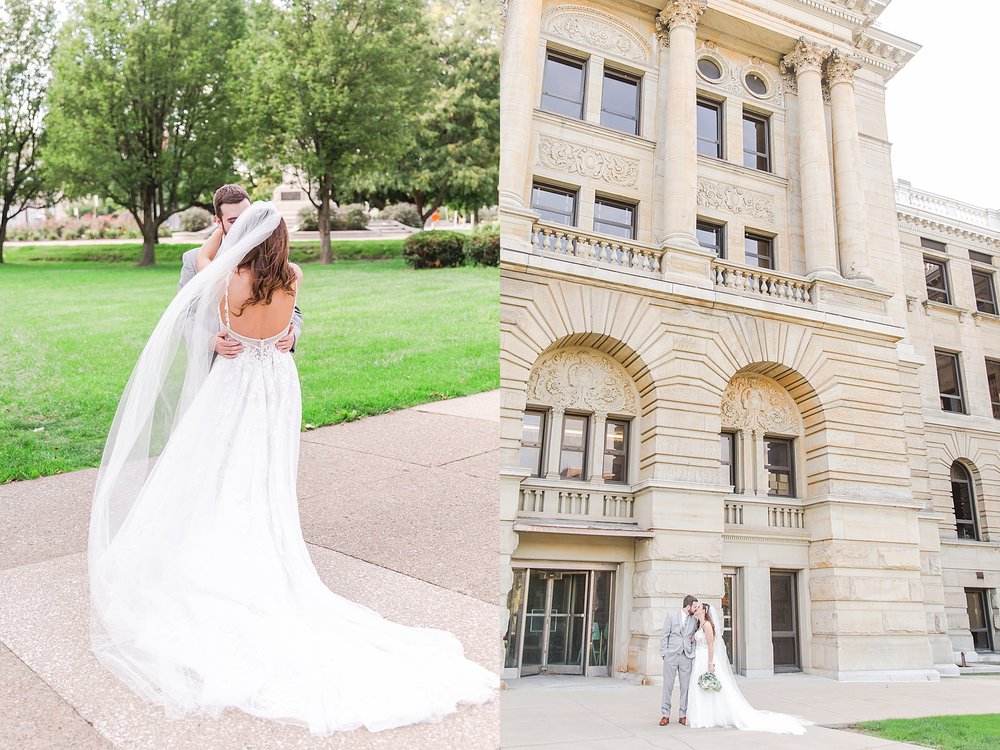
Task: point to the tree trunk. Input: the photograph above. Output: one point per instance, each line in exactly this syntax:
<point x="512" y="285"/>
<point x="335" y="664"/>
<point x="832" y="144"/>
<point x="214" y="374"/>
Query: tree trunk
<point x="3" y="232"/>
<point x="323" y="217"/>
<point x="150" y="230"/>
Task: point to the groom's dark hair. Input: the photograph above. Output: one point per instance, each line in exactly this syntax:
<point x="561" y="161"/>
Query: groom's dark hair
<point x="228" y="194"/>
<point x="689" y="600"/>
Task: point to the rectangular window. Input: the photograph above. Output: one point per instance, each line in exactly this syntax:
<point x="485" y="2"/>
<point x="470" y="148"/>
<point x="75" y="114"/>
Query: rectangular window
<point x="778" y="463"/>
<point x="936" y="279"/>
<point x="933" y="245"/>
<point x="756" y="142"/>
<point x="554" y="204"/>
<point x="993" y="379"/>
<point x="620" y="102"/>
<point x="711" y="237"/>
<point x="978" y="607"/>
<point x="574" y="447"/>
<point x="532" y="436"/>
<point x="710" y="128"/>
<point x="563" y="85"/>
<point x="980" y="258"/>
<point x="727" y="443"/>
<point x="986" y="300"/>
<point x="949" y="382"/>
<point x="759" y="250"/>
<point x="964" y="503"/>
<point x="616" y="451"/>
<point x="614" y="217"/>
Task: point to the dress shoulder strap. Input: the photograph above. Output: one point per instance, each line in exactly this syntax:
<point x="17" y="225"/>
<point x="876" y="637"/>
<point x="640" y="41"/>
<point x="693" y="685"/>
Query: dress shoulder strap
<point x="228" y="279"/>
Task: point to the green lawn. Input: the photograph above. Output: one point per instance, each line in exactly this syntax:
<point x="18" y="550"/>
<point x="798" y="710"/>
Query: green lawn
<point x="978" y="732"/>
<point x="377" y="336"/>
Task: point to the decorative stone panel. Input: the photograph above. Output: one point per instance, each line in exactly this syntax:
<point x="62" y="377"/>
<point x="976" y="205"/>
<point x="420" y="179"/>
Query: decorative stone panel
<point x="736" y="200"/>
<point x="756" y="405"/>
<point x="596" y="29"/>
<point x="575" y="158"/>
<point x="582" y="379"/>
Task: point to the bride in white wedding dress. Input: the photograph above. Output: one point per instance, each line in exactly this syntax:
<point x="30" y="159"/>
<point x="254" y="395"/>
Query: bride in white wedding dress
<point x="728" y="707"/>
<point x="203" y="593"/>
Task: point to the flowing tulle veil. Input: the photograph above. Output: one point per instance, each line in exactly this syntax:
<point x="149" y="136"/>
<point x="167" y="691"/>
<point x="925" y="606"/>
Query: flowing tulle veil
<point x="172" y="368"/>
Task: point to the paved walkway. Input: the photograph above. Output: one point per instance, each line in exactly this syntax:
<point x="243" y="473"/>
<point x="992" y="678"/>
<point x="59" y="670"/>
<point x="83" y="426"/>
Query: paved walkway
<point x="399" y="512"/>
<point x="575" y="713"/>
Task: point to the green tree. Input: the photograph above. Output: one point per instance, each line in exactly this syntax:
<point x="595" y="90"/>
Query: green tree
<point x="454" y="154"/>
<point x="27" y="28"/>
<point x="332" y="90"/>
<point x="140" y="104"/>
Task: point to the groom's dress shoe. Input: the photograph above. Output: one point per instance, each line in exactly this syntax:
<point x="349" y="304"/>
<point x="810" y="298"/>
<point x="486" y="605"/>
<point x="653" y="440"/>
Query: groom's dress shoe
<point x="683" y="721"/>
<point x="664" y="720"/>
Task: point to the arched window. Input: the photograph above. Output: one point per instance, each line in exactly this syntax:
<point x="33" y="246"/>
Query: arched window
<point x="964" y="498"/>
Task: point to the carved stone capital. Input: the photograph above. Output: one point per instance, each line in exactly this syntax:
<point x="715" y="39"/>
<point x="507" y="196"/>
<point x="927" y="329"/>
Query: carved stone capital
<point x="840" y="67"/>
<point x="806" y="56"/>
<point x="682" y="13"/>
<point x="662" y="32"/>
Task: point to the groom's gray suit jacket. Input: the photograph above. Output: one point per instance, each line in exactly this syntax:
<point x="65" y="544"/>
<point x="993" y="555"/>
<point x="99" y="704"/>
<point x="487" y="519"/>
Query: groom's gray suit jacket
<point x="675" y="640"/>
<point x="189" y="269"/>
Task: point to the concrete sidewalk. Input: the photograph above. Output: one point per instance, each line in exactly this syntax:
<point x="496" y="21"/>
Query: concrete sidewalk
<point x="561" y="712"/>
<point x="400" y="514"/>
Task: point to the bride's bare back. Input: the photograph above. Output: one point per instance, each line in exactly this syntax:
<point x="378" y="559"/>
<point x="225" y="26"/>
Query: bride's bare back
<point x="258" y="321"/>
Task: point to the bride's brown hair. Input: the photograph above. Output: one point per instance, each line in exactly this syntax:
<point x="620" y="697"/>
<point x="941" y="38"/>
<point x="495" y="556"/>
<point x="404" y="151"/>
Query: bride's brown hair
<point x="269" y="269"/>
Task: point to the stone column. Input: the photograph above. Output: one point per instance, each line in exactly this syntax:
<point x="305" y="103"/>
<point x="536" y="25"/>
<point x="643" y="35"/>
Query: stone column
<point x="554" y="446"/>
<point x="851" y="220"/>
<point x="806" y="61"/>
<point x="660" y="132"/>
<point x="680" y="144"/>
<point x="595" y="461"/>
<point x="518" y="84"/>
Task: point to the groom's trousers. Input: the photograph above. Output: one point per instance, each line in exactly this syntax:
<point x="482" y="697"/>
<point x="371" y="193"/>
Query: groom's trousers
<point x="678" y="666"/>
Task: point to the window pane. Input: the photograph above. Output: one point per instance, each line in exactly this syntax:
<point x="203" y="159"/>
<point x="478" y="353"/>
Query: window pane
<point x="709" y="129"/>
<point x="993" y="379"/>
<point x="758" y="251"/>
<point x="778" y="463"/>
<point x="709" y="69"/>
<point x="620" y="102"/>
<point x="574" y="432"/>
<point x="933" y="245"/>
<point x="980" y="257"/>
<point x="937" y="281"/>
<point x="615" y="451"/>
<point x="562" y="86"/>
<point x="554" y="205"/>
<point x="532" y="429"/>
<point x="574" y="443"/>
<point x="949" y="383"/>
<point x="756" y="152"/>
<point x="779" y="483"/>
<point x="614" y="218"/>
<point x="983" y="284"/>
<point x="710" y="237"/>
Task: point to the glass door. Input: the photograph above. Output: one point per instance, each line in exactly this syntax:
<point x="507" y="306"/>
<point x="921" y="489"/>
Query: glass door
<point x="784" y="633"/>
<point x="559" y="622"/>
<point x="979" y="619"/>
<point x="729" y="619"/>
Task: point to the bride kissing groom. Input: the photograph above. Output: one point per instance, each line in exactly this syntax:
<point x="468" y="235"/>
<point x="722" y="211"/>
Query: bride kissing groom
<point x="691" y="643"/>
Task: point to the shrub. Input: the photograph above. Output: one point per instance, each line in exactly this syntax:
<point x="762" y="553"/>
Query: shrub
<point x="404" y="213"/>
<point x="194" y="219"/>
<point x="308" y="219"/>
<point x="351" y="216"/>
<point x="482" y="247"/>
<point x="434" y="249"/>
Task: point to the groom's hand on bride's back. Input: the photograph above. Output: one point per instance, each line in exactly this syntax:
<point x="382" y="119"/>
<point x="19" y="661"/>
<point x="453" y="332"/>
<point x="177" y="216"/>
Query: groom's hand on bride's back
<point x="227" y="347"/>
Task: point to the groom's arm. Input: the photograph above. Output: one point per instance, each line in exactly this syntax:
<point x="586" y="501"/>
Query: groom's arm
<point x="665" y="637"/>
<point x="188" y="269"/>
<point x="296" y="326"/>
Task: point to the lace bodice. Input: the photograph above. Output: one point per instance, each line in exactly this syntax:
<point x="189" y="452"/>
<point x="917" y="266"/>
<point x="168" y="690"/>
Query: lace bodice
<point x="699" y="639"/>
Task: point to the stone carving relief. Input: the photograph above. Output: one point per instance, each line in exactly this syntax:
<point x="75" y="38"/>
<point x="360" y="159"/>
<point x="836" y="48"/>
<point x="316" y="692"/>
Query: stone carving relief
<point x="806" y="55"/>
<point x="733" y="77"/>
<point x="756" y="405"/>
<point x="682" y="13"/>
<point x="582" y="379"/>
<point x="736" y="200"/>
<point x="597" y="30"/>
<point x="576" y="158"/>
<point x="840" y="67"/>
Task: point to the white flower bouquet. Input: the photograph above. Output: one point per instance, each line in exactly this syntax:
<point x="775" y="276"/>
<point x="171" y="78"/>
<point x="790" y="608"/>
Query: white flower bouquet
<point x="709" y="682"/>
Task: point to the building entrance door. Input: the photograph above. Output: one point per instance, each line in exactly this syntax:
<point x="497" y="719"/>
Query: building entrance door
<point x="730" y="616"/>
<point x="559" y="622"/>
<point x="784" y="623"/>
<point x="979" y="618"/>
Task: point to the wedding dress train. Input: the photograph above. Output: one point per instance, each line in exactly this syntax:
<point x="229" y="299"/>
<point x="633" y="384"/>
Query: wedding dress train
<point x="206" y="597"/>
<point x="728" y="707"/>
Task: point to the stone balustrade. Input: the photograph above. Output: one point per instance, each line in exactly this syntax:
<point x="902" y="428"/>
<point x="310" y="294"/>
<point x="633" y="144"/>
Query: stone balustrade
<point x="761" y="282"/>
<point x="575" y="501"/>
<point x="600" y="250"/>
<point x="762" y="512"/>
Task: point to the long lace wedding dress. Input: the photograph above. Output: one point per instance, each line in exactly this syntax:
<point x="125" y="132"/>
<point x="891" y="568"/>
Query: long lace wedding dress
<point x="728" y="707"/>
<point x="205" y="596"/>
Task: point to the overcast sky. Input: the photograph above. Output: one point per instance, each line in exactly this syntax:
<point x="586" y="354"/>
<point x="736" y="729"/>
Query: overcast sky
<point x="943" y="108"/>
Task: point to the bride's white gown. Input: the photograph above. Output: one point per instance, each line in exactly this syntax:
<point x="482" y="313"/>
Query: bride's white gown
<point x="728" y="707"/>
<point x="214" y="601"/>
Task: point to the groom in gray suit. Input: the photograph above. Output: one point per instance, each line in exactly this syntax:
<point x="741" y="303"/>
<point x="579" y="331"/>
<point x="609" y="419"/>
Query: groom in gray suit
<point x="229" y="201"/>
<point x="677" y="650"/>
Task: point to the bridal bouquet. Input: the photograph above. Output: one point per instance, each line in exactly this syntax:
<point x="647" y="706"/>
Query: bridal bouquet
<point x="709" y="682"/>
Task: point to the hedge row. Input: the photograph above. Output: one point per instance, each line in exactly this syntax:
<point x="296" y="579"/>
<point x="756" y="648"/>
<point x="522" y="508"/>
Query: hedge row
<point x="444" y="249"/>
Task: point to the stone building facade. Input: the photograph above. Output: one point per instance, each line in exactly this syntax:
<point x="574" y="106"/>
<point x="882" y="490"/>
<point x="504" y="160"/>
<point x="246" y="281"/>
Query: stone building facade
<point x="719" y="353"/>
